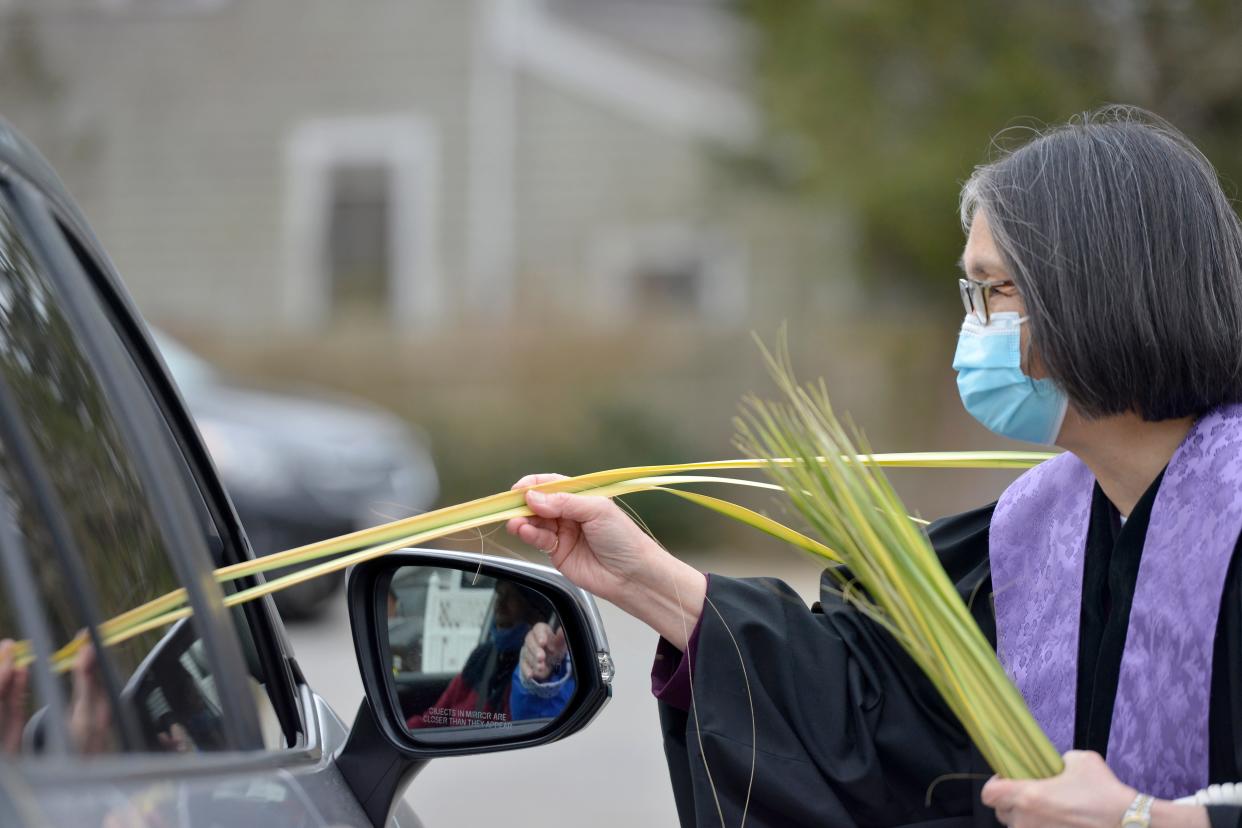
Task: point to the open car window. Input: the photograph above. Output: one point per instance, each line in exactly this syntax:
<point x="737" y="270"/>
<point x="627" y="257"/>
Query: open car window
<point x="267" y="677"/>
<point x="92" y="535"/>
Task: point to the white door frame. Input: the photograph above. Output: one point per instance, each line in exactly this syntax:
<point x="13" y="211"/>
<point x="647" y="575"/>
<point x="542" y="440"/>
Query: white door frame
<point x="408" y="146"/>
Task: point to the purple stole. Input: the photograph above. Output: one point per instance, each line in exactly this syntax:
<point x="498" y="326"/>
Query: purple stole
<point x="1158" y="739"/>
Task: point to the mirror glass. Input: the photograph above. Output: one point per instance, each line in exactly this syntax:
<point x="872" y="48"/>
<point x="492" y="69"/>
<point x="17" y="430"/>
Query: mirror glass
<point x="472" y="655"/>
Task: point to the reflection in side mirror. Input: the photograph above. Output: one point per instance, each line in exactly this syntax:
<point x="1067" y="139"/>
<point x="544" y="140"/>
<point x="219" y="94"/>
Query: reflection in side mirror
<point x="473" y="657"/>
<point x="462" y="653"/>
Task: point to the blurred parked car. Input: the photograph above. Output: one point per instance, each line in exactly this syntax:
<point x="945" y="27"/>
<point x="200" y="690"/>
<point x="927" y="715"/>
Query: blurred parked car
<point x="303" y="466"/>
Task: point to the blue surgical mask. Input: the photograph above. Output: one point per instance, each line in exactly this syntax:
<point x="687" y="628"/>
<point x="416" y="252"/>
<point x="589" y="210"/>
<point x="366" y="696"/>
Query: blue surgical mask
<point x="509" y="639"/>
<point x="994" y="389"/>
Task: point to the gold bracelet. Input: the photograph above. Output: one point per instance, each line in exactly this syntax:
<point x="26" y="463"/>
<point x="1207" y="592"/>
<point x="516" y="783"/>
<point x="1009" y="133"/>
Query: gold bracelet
<point x="1138" y="815"/>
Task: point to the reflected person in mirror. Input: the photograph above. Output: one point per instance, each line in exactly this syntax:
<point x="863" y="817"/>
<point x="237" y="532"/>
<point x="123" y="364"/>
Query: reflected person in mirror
<point x="543" y="683"/>
<point x="490" y="690"/>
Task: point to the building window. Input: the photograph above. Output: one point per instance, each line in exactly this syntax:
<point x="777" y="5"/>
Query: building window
<point x="671" y="284"/>
<point x="670" y="270"/>
<point x="361" y="219"/>
<point x="358" y="255"/>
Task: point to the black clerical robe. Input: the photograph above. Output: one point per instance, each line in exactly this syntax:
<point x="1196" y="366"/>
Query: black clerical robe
<point x="848" y="732"/>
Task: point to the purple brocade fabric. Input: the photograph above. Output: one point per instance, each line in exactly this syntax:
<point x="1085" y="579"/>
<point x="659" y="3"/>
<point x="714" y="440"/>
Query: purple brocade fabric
<point x="1158" y="741"/>
<point x="1036" y="545"/>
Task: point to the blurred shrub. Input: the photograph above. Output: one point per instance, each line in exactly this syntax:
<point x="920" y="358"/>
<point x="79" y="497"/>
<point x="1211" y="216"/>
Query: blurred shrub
<point x="498" y="403"/>
<point x="606" y="433"/>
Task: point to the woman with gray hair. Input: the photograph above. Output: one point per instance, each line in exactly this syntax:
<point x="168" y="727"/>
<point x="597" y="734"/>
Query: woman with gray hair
<point x="1103" y="293"/>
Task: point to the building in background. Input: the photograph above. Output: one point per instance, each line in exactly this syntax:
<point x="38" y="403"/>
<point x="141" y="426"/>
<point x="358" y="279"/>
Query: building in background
<point x="276" y="165"/>
<point x="543" y="230"/>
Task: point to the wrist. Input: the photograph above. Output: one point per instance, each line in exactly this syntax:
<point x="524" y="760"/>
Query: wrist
<point x="668" y="595"/>
<point x="1166" y="814"/>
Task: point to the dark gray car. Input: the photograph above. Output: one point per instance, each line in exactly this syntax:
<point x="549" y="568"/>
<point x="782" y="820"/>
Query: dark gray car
<point x="303" y="464"/>
<point x="108" y="499"/>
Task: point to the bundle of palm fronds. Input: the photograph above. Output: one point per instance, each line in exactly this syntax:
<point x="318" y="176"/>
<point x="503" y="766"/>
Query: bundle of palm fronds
<point x="844" y="497"/>
<point x="850" y="505"/>
<point x="334" y="554"/>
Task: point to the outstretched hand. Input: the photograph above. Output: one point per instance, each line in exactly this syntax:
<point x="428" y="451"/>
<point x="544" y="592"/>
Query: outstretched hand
<point x="599" y="548"/>
<point x="589" y="539"/>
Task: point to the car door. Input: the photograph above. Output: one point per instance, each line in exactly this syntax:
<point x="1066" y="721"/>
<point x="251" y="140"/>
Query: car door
<point x="111" y="502"/>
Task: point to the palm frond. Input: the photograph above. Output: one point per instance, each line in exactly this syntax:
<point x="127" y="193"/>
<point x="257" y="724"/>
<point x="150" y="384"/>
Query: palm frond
<point x="842" y="493"/>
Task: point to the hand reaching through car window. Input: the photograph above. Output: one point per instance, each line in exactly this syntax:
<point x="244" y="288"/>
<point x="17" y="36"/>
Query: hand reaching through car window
<point x="90" y="710"/>
<point x="14" y="693"/>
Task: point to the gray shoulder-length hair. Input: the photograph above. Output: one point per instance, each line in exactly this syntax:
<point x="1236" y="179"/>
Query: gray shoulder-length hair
<point x="1128" y="256"/>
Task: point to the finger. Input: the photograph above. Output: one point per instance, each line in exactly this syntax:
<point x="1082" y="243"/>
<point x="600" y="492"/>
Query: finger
<point x="6" y="665"/>
<point x="580" y="508"/>
<point x="15" y="714"/>
<point x="515" y="524"/>
<point x="557" y="644"/>
<point x="1075" y="759"/>
<point x="86" y="677"/>
<point x="1005" y="816"/>
<point x="18" y="684"/>
<point x="541" y="539"/>
<point x="553" y="526"/>
<point x="529" y="660"/>
<point x="21" y="687"/>
<point x="536" y="479"/>
<point x="13" y="702"/>
<point x="998" y="792"/>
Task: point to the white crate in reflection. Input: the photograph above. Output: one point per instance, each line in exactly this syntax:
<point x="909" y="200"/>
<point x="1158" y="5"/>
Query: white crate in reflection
<point x="452" y="623"/>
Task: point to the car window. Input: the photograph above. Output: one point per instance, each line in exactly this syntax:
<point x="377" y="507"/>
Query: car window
<point x="270" y="686"/>
<point x="164" y="695"/>
<point x="19" y="694"/>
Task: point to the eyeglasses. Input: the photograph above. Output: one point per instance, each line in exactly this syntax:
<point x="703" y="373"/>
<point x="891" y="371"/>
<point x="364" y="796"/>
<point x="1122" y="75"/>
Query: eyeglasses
<point x="975" y="295"/>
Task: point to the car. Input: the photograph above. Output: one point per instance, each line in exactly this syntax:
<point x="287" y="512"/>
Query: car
<point x="303" y="466"/>
<point x="109" y="499"/>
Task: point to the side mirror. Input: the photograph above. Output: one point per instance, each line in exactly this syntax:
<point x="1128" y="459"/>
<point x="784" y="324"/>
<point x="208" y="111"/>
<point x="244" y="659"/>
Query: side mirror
<point x="439" y="637"/>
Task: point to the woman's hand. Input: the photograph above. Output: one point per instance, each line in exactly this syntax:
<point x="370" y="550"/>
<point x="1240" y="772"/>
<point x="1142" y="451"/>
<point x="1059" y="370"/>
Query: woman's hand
<point x="1084" y="795"/>
<point x="589" y="539"/>
<point x="598" y="547"/>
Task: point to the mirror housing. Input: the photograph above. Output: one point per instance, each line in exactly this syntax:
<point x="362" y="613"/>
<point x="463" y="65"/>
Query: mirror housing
<point x="575" y="611"/>
<point x="382" y="755"/>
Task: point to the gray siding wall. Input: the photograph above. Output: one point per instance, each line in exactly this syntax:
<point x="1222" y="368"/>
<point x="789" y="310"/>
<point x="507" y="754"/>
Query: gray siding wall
<point x="172" y="130"/>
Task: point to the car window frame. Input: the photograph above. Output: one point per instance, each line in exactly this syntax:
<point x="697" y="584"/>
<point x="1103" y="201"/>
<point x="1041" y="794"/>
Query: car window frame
<point x="171" y="510"/>
<point x="279" y="668"/>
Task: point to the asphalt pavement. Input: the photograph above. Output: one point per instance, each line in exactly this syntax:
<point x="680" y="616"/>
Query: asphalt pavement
<point x="611" y="774"/>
